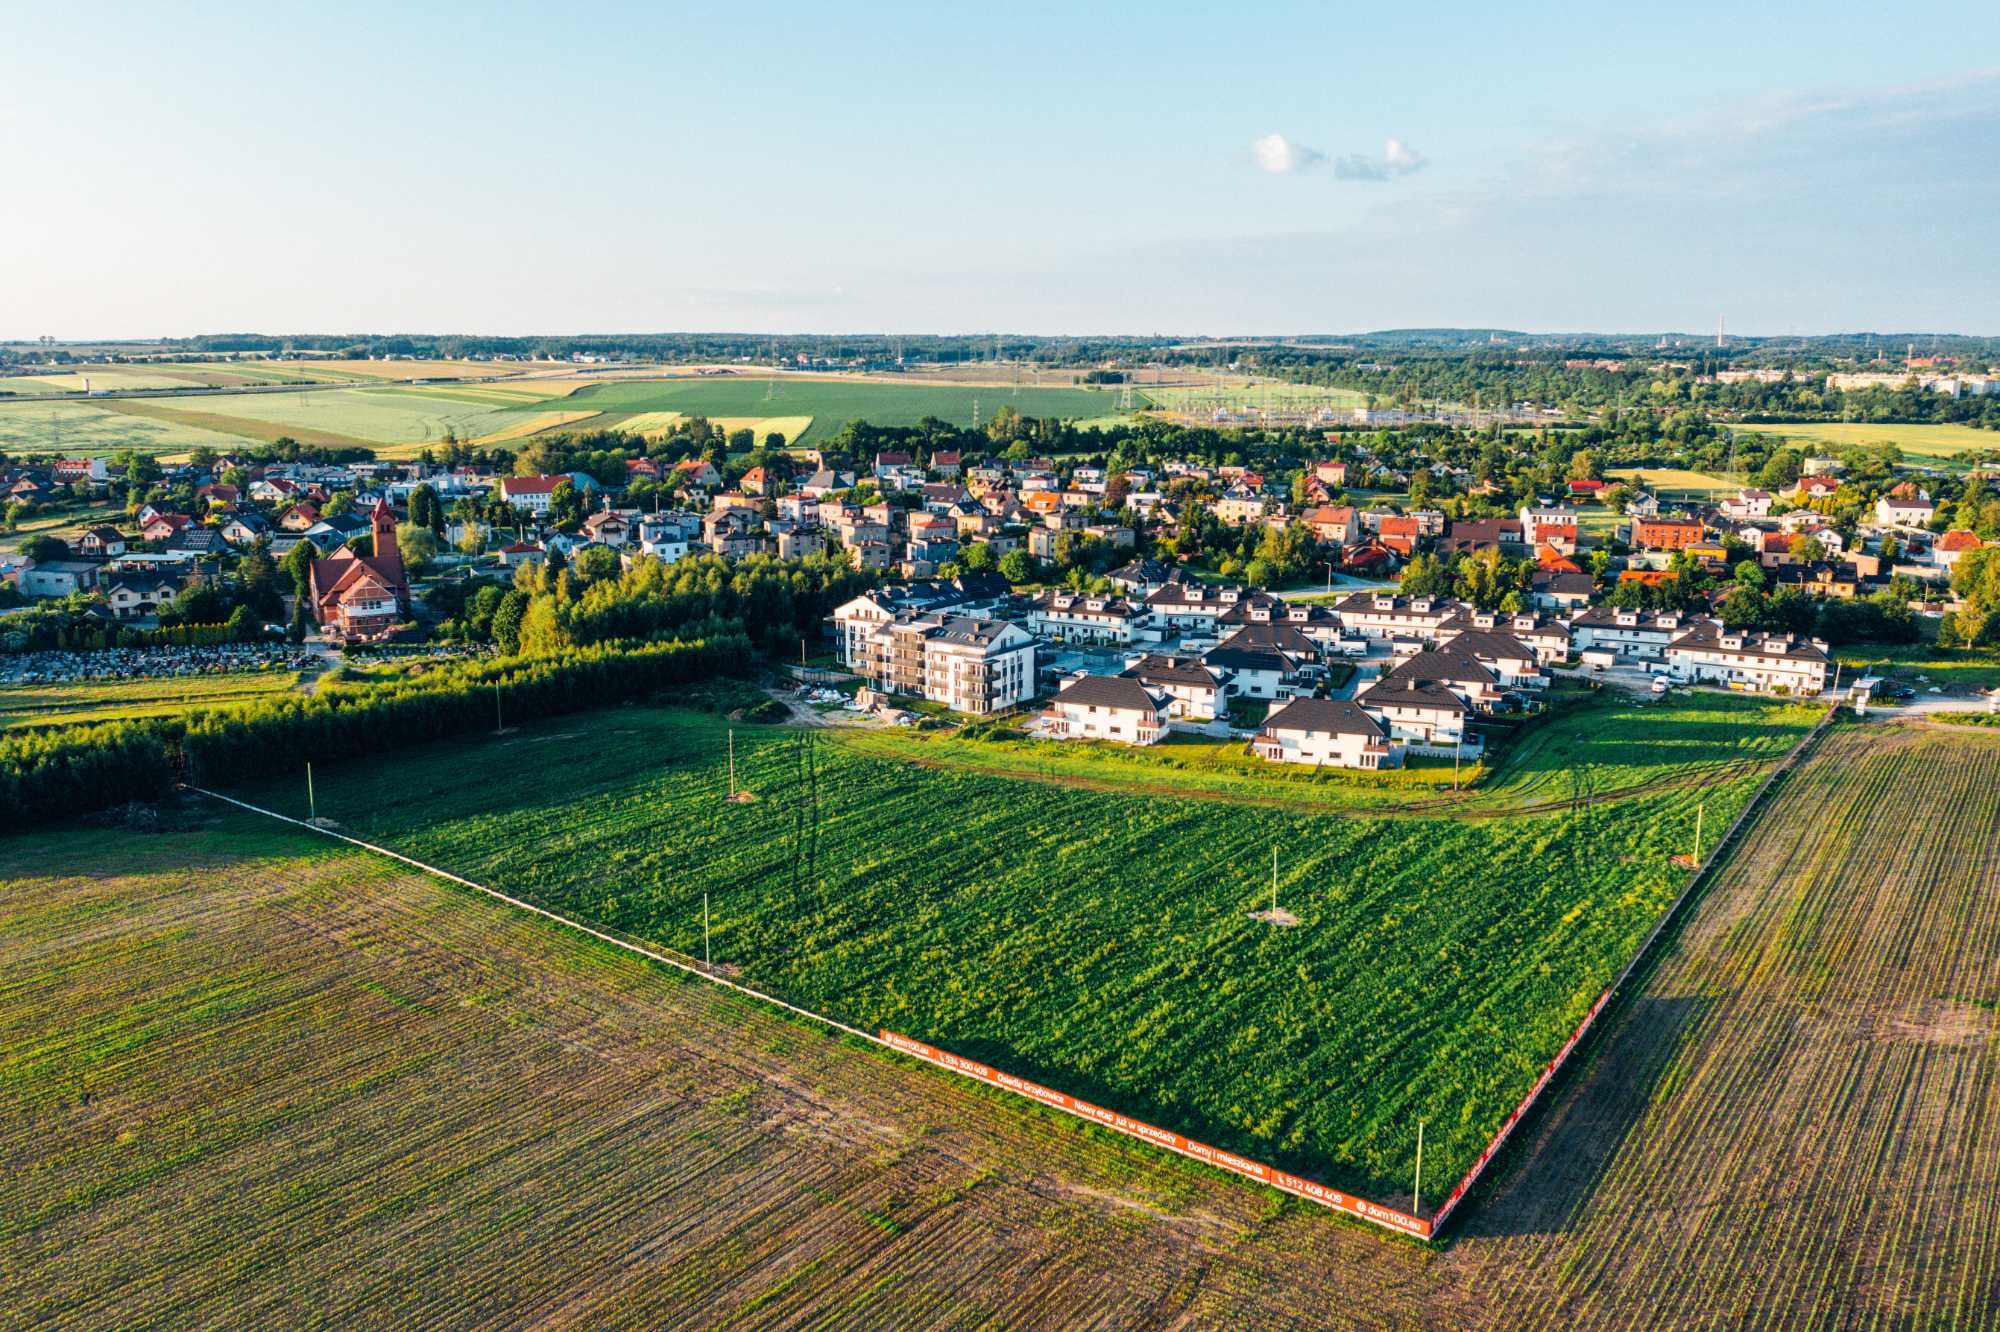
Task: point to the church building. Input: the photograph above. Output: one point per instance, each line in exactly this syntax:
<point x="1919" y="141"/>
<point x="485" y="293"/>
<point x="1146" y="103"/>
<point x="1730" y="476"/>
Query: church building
<point x="361" y="596"/>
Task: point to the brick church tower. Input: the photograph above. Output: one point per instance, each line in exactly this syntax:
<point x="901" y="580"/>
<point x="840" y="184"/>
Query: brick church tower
<point x="383" y="520"/>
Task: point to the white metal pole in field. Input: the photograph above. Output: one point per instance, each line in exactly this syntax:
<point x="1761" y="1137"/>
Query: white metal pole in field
<point x="1274" y="878"/>
<point x="706" y="958"/>
<point x="1417" y="1189"/>
<point x="499" y="724"/>
<point x="1697" y="831"/>
<point x="732" y="763"/>
<point x="312" y="805"/>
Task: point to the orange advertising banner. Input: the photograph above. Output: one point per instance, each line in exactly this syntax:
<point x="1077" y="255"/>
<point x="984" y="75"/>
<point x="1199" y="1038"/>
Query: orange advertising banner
<point x="1296" y="1185"/>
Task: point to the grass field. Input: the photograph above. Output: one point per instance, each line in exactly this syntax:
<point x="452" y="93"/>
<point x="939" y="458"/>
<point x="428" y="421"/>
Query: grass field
<point x="1921" y="665"/>
<point x="832" y="403"/>
<point x="1099" y="943"/>
<point x="1675" y="482"/>
<point x="1928" y="443"/>
<point x="97" y="428"/>
<point x="102" y="700"/>
<point x="383" y="415"/>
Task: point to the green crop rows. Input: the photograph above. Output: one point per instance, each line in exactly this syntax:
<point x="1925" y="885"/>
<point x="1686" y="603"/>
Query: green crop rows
<point x="1100" y="943"/>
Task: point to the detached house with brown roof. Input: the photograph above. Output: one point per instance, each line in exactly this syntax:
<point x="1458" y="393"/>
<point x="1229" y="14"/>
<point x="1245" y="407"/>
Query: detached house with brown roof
<point x="1108" y="707"/>
<point x="1325" y="733"/>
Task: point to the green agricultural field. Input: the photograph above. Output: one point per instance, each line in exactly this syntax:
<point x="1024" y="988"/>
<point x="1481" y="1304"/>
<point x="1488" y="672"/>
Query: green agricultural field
<point x="100" y="428"/>
<point x="380" y="415"/>
<point x="832" y="403"/>
<point x="1101" y="943"/>
<point x="1928" y="443"/>
<point x="102" y="700"/>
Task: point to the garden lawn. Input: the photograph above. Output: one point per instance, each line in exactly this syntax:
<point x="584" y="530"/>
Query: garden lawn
<point x="1100" y="943"/>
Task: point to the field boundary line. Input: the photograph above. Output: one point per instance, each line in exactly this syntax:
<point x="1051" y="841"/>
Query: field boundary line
<point x="1298" y="1186"/>
<point x="678" y="964"/>
<point x="1697" y="879"/>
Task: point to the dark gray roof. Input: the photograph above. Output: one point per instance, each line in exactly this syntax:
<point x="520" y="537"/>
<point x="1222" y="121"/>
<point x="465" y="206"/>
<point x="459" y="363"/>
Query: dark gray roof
<point x="1706" y="635"/>
<point x="1493" y="644"/>
<point x="1109" y="691"/>
<point x="977" y="632"/>
<point x="1412" y="692"/>
<point x="1336" y="716"/>
<point x="1172" y="670"/>
<point x="1445" y="663"/>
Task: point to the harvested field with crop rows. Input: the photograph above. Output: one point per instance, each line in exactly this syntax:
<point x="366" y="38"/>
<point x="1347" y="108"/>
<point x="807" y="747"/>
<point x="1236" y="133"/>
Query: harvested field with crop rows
<point x="1795" y="1123"/>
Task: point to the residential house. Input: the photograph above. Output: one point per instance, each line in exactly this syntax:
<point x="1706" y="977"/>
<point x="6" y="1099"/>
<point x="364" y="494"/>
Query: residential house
<point x="1667" y="533"/>
<point x="1077" y="617"/>
<point x="1268" y="661"/>
<point x="1386" y="615"/>
<point x="1747" y="505"/>
<point x="1325" y="732"/>
<point x="1191" y="608"/>
<point x="1333" y="524"/>
<point x="608" y="527"/>
<point x="244" y="529"/>
<point x="1643" y="635"/>
<point x="1142" y="577"/>
<point x="1472" y="680"/>
<point x="978" y="665"/>
<point x="1534" y="520"/>
<point x="1561" y="591"/>
<point x="1108" y="707"/>
<point x="107" y="542"/>
<point x="1426" y="716"/>
<point x="1710" y="653"/>
<point x="133" y="595"/>
<point x="1952" y="546"/>
<point x="1909" y="508"/>
<point x="1195" y="691"/>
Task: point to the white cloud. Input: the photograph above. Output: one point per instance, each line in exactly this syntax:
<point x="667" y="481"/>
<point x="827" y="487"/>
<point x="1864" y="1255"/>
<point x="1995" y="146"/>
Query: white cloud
<point x="1281" y="156"/>
<point x="1397" y="159"/>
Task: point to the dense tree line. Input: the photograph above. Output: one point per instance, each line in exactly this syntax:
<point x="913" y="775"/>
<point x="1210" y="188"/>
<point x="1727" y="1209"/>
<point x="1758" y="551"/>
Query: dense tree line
<point x="58" y="772"/>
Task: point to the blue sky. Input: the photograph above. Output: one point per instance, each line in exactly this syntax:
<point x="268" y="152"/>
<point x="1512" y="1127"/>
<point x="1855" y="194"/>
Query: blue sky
<point x="1133" y="169"/>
